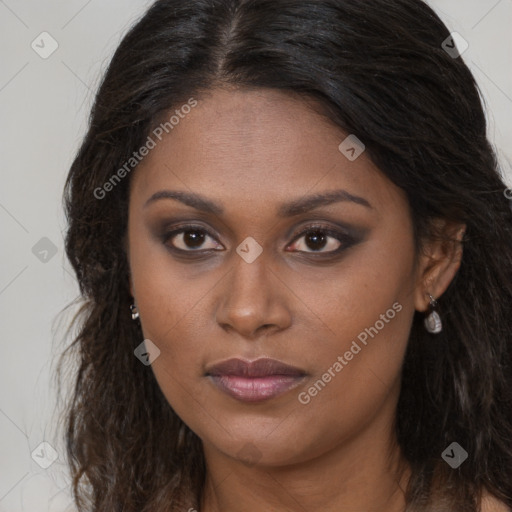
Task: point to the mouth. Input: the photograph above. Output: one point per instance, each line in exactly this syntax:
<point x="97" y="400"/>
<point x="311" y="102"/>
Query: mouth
<point x="254" y="381"/>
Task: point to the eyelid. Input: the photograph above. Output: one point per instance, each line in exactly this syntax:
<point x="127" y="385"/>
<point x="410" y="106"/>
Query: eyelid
<point x="343" y="235"/>
<point x="323" y="227"/>
<point x="180" y="228"/>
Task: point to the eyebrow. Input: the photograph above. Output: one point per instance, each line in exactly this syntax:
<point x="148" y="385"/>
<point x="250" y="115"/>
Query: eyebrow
<point x="289" y="209"/>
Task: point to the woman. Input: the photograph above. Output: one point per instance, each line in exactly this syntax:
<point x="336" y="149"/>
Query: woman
<point x="292" y="239"/>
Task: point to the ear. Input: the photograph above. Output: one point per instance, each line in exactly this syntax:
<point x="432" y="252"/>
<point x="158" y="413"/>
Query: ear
<point x="439" y="261"/>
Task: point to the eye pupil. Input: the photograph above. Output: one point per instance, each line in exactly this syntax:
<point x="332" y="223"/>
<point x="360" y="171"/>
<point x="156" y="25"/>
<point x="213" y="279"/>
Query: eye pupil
<point x="193" y="238"/>
<point x="315" y="236"/>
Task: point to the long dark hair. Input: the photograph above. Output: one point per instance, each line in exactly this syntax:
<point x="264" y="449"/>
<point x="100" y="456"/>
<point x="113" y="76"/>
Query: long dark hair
<point x="376" y="69"/>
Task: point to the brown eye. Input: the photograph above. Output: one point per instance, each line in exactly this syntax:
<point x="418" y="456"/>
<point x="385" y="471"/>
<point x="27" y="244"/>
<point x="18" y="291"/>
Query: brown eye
<point x="317" y="238"/>
<point x="189" y="239"/>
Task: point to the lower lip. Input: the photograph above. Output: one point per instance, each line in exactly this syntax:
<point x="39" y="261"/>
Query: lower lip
<point x="255" y="389"/>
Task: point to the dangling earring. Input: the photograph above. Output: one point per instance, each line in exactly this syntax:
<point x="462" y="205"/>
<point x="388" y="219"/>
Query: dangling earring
<point x="135" y="313"/>
<point x="433" y="322"/>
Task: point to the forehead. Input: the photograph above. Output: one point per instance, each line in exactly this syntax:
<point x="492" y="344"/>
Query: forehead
<point x="255" y="144"/>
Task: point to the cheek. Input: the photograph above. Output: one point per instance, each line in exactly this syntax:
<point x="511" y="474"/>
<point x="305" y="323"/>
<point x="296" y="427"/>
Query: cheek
<point x="171" y="299"/>
<point x="166" y="291"/>
<point x="344" y="300"/>
<point x="366" y="312"/>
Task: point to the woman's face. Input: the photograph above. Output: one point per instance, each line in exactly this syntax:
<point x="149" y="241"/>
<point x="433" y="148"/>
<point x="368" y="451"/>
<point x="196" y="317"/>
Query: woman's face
<point x="335" y="302"/>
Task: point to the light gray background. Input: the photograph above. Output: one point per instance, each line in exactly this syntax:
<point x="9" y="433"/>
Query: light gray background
<point x="44" y="104"/>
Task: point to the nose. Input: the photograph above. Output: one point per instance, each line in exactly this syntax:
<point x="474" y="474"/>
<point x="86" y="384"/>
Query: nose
<point x="253" y="299"/>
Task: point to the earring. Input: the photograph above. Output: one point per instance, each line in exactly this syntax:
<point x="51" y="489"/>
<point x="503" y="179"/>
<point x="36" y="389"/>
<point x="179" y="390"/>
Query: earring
<point x="135" y="313"/>
<point x="433" y="322"/>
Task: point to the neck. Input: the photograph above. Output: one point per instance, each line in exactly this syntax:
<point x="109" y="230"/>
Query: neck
<point x="363" y="473"/>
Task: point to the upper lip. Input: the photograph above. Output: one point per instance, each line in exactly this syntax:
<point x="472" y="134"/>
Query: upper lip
<point x="263" y="367"/>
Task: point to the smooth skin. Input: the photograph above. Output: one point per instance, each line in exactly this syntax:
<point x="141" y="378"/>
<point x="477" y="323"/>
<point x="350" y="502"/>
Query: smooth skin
<point x="250" y="152"/>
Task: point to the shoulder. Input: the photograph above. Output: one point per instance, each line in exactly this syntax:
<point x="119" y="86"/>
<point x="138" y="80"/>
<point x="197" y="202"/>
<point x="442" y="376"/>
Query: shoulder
<point x="492" y="504"/>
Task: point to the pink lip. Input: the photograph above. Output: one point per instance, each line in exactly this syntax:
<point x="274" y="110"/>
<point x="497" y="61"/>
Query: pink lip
<point x="254" y="381"/>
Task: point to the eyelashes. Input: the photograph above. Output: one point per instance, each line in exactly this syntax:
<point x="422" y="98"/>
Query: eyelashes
<point x="323" y="233"/>
<point x="318" y="241"/>
<point x="188" y="229"/>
